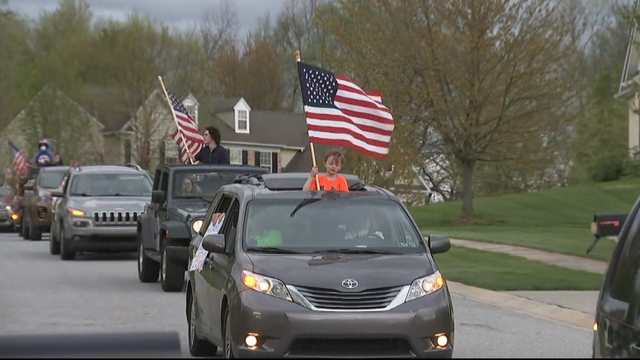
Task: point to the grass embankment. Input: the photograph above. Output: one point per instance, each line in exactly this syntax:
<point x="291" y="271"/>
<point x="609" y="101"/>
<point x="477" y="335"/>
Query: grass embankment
<point x="556" y="220"/>
<point x="501" y="272"/>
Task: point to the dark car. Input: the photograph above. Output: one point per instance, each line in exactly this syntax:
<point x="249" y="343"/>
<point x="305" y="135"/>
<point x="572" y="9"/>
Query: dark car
<point x="617" y="323"/>
<point x="7" y="217"/>
<point x="181" y="195"/>
<point x="315" y="274"/>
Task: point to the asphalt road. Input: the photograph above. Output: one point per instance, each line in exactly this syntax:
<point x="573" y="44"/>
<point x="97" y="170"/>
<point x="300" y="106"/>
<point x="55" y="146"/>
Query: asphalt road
<point x="41" y="294"/>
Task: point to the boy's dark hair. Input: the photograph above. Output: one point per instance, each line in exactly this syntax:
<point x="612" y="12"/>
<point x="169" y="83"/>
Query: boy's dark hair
<point x="214" y="133"/>
<point x="337" y="154"/>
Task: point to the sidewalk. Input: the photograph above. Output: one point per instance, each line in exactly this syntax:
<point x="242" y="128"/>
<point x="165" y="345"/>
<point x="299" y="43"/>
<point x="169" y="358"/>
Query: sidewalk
<point x="567" y="261"/>
<point x="575" y="308"/>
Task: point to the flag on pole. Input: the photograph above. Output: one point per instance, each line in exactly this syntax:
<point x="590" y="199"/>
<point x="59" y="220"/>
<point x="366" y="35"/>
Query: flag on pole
<point x="194" y="147"/>
<point x="19" y="161"/>
<point x="186" y="127"/>
<point x="340" y="113"/>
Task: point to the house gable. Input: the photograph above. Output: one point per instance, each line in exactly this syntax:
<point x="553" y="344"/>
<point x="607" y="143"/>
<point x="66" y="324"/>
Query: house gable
<point x="242" y="117"/>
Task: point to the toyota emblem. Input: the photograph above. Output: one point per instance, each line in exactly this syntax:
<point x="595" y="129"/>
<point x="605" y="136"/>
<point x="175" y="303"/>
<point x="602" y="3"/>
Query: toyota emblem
<point x="349" y="283"/>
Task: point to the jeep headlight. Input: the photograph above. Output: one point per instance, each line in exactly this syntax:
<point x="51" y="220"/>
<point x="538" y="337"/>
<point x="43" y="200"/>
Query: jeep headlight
<point x="265" y="285"/>
<point x="197" y="225"/>
<point x="8" y="207"/>
<point x="425" y="286"/>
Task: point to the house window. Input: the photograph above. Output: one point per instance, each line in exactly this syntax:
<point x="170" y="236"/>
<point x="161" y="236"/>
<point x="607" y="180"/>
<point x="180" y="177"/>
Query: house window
<point x="235" y="156"/>
<point x="243" y="120"/>
<point x="265" y="159"/>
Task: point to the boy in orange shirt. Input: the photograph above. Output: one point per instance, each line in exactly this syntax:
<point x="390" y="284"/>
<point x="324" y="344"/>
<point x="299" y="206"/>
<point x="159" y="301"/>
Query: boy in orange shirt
<point x="333" y="161"/>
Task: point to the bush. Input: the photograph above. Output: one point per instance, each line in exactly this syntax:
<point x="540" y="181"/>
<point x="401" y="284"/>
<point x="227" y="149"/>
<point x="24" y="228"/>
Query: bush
<point x="606" y="167"/>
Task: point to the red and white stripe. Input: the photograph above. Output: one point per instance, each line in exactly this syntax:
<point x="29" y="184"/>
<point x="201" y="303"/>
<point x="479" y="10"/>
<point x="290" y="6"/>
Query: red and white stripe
<point x="193" y="146"/>
<point x="20" y="165"/>
<point x="360" y="121"/>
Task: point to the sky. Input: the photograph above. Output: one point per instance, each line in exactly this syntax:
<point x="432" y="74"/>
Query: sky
<point x="183" y="14"/>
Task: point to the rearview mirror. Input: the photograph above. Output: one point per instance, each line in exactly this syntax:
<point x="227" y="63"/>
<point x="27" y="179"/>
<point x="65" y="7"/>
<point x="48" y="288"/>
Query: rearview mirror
<point x="214" y="243"/>
<point x="438" y="244"/>
<point x="157" y="197"/>
<point x="57" y="194"/>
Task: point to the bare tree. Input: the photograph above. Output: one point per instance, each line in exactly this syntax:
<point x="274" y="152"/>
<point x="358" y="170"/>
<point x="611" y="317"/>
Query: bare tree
<point x="218" y="29"/>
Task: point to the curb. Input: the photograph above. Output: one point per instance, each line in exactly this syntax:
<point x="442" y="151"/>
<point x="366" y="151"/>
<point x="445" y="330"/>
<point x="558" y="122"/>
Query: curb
<point x="542" y="310"/>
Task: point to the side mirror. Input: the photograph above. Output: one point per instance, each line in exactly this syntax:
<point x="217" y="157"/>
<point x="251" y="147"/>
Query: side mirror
<point x="57" y="194"/>
<point x="438" y="244"/>
<point x="214" y="243"/>
<point x="157" y="196"/>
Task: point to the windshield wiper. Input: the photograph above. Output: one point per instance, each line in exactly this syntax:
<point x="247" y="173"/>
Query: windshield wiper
<point x="303" y="204"/>
<point x="272" y="250"/>
<point x="353" y="251"/>
<point x="79" y="194"/>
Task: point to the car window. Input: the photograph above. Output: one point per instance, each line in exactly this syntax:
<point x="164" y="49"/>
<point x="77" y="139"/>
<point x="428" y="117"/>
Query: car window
<point x="111" y="184"/>
<point x="210" y="212"/>
<point x="156" y="180"/>
<point x="626" y="267"/>
<point x="330" y="224"/>
<point x="230" y="226"/>
<point x="51" y="179"/>
<point x="164" y="182"/>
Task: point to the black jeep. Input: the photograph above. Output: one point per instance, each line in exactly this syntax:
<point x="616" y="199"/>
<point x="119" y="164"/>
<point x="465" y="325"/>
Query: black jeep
<point x="180" y="198"/>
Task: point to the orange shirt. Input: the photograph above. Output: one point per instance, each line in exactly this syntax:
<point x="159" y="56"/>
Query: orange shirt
<point x="339" y="183"/>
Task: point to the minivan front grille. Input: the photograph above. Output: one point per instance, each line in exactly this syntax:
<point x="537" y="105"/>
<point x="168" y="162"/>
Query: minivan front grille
<point x="115" y="217"/>
<point x="328" y="299"/>
<point x="350" y="347"/>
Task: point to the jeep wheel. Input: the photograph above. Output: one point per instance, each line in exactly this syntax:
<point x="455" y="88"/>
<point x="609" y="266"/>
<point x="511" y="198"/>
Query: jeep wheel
<point x="171" y="275"/>
<point x="54" y="243"/>
<point x="198" y="347"/>
<point x="21" y="227"/>
<point x="148" y="270"/>
<point x="65" y="252"/>
<point x="34" y="233"/>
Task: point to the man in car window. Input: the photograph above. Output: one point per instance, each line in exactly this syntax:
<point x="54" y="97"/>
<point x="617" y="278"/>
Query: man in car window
<point x="366" y="227"/>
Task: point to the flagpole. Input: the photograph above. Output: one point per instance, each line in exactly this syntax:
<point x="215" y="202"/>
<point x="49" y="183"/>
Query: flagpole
<point x="313" y="151"/>
<point x="184" y="143"/>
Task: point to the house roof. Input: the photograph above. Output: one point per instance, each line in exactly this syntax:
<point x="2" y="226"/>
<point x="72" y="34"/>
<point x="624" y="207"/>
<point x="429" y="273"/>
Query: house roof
<point x="221" y="105"/>
<point x="106" y="106"/>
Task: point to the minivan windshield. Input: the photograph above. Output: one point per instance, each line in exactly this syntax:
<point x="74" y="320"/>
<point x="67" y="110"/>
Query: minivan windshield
<point x="111" y="184"/>
<point x="198" y="183"/>
<point x="330" y="225"/>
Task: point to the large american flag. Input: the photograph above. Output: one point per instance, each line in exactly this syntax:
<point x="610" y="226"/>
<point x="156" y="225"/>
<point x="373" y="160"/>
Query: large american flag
<point x="340" y="113"/>
<point x="19" y="161"/>
<point x="187" y="127"/>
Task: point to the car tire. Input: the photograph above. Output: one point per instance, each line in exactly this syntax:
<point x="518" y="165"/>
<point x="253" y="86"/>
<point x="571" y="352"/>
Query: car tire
<point x="171" y="275"/>
<point x="21" y="227"/>
<point x="26" y="233"/>
<point x="65" y="252"/>
<point x="54" y="244"/>
<point x="198" y="347"/>
<point x="34" y="234"/>
<point x="148" y="270"/>
<point x="226" y="338"/>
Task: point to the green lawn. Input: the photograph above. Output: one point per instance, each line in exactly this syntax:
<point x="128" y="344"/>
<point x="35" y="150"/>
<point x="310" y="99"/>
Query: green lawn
<point x="556" y="220"/>
<point x="501" y="272"/>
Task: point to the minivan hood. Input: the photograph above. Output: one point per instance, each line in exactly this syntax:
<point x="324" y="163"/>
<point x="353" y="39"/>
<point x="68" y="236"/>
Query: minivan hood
<point x="329" y="270"/>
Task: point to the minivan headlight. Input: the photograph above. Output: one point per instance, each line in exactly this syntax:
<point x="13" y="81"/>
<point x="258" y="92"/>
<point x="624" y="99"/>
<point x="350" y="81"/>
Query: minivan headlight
<point x="265" y="285"/>
<point x="425" y="286"/>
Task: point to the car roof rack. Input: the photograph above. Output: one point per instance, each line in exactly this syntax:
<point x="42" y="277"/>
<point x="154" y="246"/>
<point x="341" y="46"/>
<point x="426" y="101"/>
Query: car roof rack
<point x="291" y="181"/>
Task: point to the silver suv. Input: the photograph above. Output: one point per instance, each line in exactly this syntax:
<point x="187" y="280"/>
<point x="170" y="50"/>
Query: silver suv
<point x="97" y="209"/>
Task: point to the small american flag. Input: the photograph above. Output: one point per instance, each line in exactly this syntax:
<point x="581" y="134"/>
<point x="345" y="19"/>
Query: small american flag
<point x="187" y="127"/>
<point x="340" y="113"/>
<point x="19" y="161"/>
